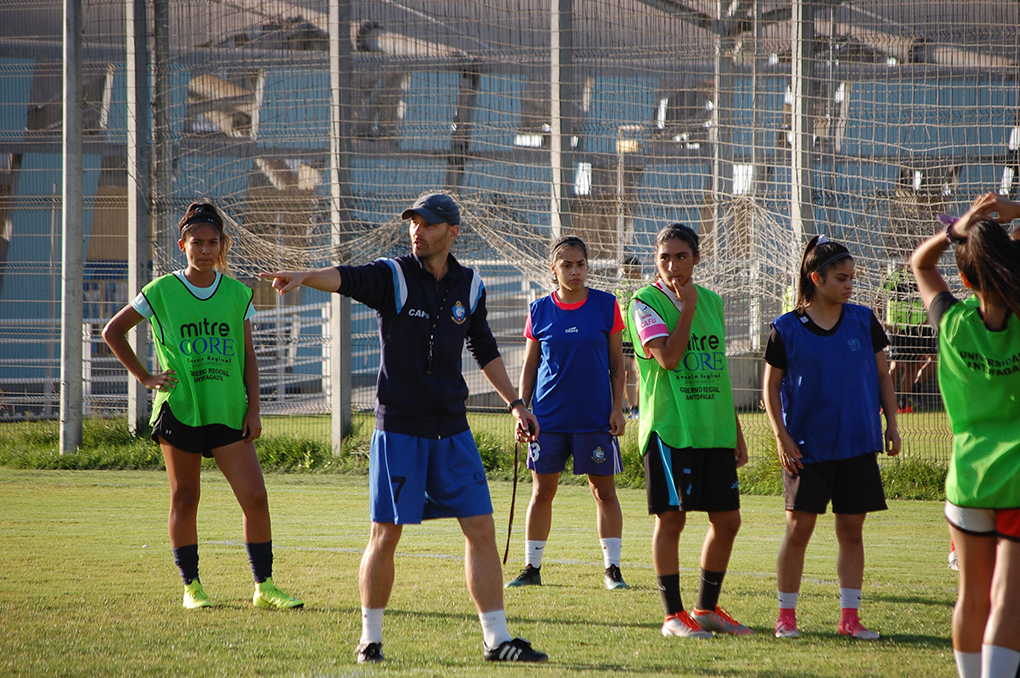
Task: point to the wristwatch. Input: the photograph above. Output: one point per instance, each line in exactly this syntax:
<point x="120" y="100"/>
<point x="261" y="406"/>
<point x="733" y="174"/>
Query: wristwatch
<point x="515" y="403"/>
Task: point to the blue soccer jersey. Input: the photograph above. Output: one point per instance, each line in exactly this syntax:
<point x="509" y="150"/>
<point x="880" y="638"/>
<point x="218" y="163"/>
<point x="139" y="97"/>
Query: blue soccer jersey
<point x="572" y="389"/>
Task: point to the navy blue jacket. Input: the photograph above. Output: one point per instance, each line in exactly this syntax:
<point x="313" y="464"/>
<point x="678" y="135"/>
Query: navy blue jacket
<point x="411" y="398"/>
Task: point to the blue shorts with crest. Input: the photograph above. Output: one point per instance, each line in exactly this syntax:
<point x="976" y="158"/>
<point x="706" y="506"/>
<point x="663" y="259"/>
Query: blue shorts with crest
<point x="596" y="454"/>
<point x="413" y="479"/>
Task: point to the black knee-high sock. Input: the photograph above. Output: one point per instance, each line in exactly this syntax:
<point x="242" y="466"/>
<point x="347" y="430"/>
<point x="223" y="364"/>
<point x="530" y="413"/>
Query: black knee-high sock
<point x="708" y="594"/>
<point x="669" y="591"/>
<point x="261" y="558"/>
<point x="186" y="558"/>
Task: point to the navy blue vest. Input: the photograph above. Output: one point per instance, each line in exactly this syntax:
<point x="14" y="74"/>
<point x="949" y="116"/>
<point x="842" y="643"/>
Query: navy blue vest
<point x="830" y="387"/>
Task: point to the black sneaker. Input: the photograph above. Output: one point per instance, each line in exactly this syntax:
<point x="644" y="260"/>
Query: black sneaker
<point x="614" y="580"/>
<point x="529" y="576"/>
<point x="369" y="653"/>
<point x="516" y="650"/>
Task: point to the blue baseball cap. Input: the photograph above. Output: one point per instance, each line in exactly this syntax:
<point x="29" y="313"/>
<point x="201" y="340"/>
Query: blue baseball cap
<point x="435" y="208"/>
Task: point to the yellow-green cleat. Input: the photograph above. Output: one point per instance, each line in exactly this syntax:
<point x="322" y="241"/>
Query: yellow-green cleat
<point x="195" y="596"/>
<point x="267" y="595"/>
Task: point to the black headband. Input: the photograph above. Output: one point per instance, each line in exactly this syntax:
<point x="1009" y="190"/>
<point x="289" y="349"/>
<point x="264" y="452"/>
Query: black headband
<point x="569" y="241"/>
<point x="199" y="219"/>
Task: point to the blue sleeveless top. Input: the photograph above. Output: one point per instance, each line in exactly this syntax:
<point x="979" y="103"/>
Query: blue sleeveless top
<point x="830" y="387"/>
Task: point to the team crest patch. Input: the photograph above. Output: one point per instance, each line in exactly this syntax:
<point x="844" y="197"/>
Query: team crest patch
<point x="459" y="313"/>
<point x="598" y="455"/>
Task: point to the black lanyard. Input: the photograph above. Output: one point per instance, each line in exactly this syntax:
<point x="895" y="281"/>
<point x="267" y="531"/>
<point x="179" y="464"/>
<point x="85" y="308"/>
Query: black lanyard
<point x="435" y="324"/>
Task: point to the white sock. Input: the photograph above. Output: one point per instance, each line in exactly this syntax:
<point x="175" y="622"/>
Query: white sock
<point x="494" y="630"/>
<point x="850" y="599"/>
<point x="968" y="664"/>
<point x="998" y="661"/>
<point x="788" y="601"/>
<point x="611" y="547"/>
<point x="533" y="552"/>
<point x="371" y="624"/>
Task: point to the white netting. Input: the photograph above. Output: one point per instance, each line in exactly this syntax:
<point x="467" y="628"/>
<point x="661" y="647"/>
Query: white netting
<point x="673" y="110"/>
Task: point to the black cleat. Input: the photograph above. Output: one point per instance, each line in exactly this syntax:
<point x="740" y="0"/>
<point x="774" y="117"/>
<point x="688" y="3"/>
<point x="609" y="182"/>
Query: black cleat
<point x="369" y="653"/>
<point x="614" y="580"/>
<point x="516" y="650"/>
<point x="529" y="576"/>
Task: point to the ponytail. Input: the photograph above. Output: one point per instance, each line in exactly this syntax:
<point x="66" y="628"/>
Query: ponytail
<point x="990" y="260"/>
<point x="820" y="255"/>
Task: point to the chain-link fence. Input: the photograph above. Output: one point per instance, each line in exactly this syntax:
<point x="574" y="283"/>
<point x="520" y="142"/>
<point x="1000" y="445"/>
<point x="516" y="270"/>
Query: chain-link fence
<point x="758" y="123"/>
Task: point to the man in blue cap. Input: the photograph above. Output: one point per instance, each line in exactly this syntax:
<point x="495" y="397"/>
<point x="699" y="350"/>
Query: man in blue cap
<point x="424" y="463"/>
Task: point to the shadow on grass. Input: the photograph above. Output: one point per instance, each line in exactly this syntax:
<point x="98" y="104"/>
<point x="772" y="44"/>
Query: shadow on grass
<point x="910" y="600"/>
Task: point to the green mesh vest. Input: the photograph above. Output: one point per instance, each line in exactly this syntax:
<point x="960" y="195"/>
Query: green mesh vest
<point x="979" y="377"/>
<point x="203" y="342"/>
<point x="691" y="406"/>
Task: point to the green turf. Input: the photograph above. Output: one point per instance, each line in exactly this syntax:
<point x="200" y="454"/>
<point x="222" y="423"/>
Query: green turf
<point x="88" y="588"/>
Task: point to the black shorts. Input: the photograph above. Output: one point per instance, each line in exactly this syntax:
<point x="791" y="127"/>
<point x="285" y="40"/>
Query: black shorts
<point x="910" y="343"/>
<point x="689" y="479"/>
<point x="195" y="439"/>
<point x="852" y="485"/>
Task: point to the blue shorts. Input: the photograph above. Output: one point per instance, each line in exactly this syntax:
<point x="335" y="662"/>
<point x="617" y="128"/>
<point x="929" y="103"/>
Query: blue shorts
<point x="413" y="479"/>
<point x="597" y="454"/>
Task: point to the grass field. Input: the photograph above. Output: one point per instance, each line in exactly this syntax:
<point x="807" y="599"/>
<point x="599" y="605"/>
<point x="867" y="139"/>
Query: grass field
<point x="88" y="588"/>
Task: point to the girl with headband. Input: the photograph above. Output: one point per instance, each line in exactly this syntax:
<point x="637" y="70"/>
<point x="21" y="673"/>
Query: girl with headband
<point x="573" y="365"/>
<point x="690" y="436"/>
<point x="979" y="376"/>
<point x="826" y="383"/>
<point x="207" y="396"/>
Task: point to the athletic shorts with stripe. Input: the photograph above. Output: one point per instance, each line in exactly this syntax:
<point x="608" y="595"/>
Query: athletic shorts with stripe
<point x="690" y="479"/>
<point x="596" y="454"/>
<point x="853" y="486"/>
<point x="979" y="522"/>
<point x="413" y="479"/>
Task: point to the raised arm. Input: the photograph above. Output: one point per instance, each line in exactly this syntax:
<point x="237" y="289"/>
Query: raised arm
<point x="668" y="351"/>
<point x="924" y="261"/>
<point x="325" y="279"/>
